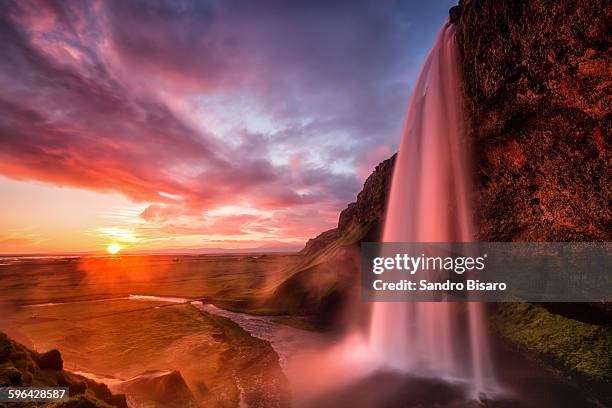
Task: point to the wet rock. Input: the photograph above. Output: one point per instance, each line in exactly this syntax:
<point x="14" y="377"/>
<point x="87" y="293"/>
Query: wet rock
<point x="118" y="400"/>
<point x="159" y="389"/>
<point x="80" y="402"/>
<point x="85" y="401"/>
<point x="77" y="387"/>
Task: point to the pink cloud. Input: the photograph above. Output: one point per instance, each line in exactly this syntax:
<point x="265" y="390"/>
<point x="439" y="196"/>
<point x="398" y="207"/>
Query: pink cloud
<point x="81" y="107"/>
<point x="372" y="158"/>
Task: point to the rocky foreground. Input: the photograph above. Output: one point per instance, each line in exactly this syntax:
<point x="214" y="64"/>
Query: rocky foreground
<point x="21" y="367"/>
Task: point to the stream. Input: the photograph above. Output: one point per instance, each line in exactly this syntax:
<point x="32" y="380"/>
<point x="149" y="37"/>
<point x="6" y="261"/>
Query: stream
<point x="285" y="340"/>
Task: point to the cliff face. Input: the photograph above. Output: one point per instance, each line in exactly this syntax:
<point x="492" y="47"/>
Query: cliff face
<point x="158" y="389"/>
<point x="326" y="277"/>
<point x="537" y="86"/>
<point x="537" y="82"/>
<point x="537" y="96"/>
<point x="366" y="214"/>
<point x="371" y="204"/>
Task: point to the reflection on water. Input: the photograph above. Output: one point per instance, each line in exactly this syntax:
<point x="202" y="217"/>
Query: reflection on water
<point x="158" y="298"/>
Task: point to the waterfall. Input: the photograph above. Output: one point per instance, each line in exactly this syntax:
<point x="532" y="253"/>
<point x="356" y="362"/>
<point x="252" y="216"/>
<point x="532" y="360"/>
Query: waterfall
<point x="430" y="202"/>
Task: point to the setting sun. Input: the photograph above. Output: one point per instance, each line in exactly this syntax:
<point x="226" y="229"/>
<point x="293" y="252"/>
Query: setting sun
<point x="113" y="248"/>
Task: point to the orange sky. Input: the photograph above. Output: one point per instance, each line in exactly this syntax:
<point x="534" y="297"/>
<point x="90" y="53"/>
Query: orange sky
<point x="171" y="125"/>
<point x="39" y="218"/>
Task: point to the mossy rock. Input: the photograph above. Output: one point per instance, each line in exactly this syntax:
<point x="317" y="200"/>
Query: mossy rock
<point x="573" y="346"/>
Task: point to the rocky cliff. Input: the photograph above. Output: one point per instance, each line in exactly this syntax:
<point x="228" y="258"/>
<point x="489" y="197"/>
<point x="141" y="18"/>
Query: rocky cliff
<point x="537" y="96"/>
<point x="537" y="93"/>
<point x="325" y="279"/>
<point x="537" y="84"/>
<point x="366" y="214"/>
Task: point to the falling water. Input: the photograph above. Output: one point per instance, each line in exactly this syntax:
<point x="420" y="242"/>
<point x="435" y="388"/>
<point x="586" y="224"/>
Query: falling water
<point x="429" y="202"/>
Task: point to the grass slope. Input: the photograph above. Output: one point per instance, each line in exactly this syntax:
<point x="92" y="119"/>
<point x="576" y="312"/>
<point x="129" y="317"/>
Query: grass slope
<point x="575" y="347"/>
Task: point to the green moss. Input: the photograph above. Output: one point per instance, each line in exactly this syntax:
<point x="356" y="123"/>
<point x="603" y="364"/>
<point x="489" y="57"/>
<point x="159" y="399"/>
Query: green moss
<point x="577" y="347"/>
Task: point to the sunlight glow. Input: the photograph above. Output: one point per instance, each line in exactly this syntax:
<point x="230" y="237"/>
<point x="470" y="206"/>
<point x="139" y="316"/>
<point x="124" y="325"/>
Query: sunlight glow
<point x="113" y="248"/>
<point x="119" y="234"/>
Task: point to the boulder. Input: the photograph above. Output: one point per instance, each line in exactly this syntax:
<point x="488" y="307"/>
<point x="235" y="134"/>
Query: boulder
<point x="158" y="389"/>
<point x="51" y="360"/>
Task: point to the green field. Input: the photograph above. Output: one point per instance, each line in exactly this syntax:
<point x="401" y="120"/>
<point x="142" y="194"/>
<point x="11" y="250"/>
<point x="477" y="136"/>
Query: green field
<point x="122" y="338"/>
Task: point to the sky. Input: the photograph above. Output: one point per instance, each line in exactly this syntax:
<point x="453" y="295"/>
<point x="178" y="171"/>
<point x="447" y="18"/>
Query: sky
<point x="163" y="125"/>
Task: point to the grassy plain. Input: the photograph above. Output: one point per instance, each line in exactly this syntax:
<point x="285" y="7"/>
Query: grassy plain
<point x="122" y="338"/>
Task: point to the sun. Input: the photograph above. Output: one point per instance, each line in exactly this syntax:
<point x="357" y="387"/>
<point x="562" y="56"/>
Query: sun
<point x="113" y="248"/>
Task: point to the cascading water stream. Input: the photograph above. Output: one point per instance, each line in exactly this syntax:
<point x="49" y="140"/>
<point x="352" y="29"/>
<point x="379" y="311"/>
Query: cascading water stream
<point x="429" y="202"/>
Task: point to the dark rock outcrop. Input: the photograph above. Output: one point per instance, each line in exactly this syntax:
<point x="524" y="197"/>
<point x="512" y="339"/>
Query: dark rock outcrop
<point x="366" y="214"/>
<point x="51" y="360"/>
<point x="454" y="14"/>
<point x="371" y="204"/>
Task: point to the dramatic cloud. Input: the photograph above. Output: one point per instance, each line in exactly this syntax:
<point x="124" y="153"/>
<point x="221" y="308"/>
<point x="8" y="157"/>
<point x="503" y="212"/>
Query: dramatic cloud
<point x="278" y="109"/>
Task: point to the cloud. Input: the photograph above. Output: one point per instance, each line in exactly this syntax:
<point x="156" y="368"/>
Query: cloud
<point x="16" y="241"/>
<point x="192" y="106"/>
<point x="371" y="159"/>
